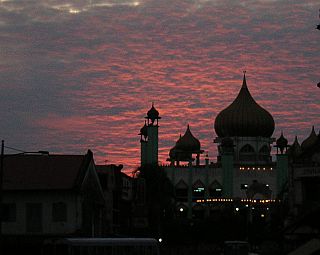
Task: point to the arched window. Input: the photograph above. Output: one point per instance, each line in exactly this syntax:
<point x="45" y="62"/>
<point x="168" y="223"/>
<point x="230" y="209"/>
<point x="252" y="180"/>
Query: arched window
<point x="181" y="191"/>
<point x="198" y="190"/>
<point x="247" y="153"/>
<point x="215" y="189"/>
<point x="264" y="153"/>
<point x="247" y="149"/>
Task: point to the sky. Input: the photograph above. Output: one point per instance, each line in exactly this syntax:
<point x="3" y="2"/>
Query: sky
<point x="79" y="75"/>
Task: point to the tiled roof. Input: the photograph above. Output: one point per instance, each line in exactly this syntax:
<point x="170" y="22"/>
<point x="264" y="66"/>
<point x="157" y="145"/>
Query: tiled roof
<point x="44" y="172"/>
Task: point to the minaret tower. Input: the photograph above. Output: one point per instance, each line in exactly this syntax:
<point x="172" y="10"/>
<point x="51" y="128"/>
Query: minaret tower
<point x="149" y="138"/>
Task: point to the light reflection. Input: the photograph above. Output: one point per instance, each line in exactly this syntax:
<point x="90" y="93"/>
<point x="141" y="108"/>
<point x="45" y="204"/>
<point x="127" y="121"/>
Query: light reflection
<point x="74" y="11"/>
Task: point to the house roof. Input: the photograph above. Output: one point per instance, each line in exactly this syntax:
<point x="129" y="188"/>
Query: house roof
<point x="44" y="172"/>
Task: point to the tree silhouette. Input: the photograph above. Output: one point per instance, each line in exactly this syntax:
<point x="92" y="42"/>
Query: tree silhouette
<point x="159" y="197"/>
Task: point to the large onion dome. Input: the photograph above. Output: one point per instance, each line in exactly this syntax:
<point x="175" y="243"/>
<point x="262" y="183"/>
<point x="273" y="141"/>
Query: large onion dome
<point x="311" y="140"/>
<point x="244" y="117"/>
<point x="188" y="142"/>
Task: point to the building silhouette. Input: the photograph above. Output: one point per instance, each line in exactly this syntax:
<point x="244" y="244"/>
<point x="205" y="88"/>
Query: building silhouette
<point x="244" y="174"/>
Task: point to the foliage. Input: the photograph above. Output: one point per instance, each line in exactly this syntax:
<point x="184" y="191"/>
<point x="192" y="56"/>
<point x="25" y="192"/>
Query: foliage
<point x="159" y="196"/>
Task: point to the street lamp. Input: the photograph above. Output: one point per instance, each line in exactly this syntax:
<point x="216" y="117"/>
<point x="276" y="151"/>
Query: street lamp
<point x="2" y="156"/>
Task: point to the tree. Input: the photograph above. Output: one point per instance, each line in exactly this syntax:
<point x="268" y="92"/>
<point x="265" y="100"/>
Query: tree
<point x="159" y="197"/>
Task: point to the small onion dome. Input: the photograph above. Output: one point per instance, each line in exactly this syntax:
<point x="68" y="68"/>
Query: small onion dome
<point x="144" y="130"/>
<point x="282" y="142"/>
<point x="311" y="140"/>
<point x="153" y="114"/>
<point x="188" y="142"/>
<point x="295" y="148"/>
<point x="179" y="155"/>
<point x="244" y="117"/>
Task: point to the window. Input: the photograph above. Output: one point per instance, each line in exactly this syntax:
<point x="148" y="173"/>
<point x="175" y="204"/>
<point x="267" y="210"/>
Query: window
<point x="247" y="149"/>
<point x="215" y="189"/>
<point x="34" y="217"/>
<point x="9" y="212"/>
<point x="247" y="153"/>
<point x="59" y="212"/>
<point x="181" y="191"/>
<point x="198" y="190"/>
<point x="264" y="153"/>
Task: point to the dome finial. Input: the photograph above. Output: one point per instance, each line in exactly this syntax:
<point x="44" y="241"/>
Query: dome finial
<point x="244" y="83"/>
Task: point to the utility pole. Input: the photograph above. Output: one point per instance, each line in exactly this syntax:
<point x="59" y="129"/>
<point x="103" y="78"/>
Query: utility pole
<point x="1" y="191"/>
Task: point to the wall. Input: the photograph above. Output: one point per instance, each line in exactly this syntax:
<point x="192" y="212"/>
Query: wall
<point x="46" y="198"/>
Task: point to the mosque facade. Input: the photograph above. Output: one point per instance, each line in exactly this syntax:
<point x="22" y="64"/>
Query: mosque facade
<point x="244" y="173"/>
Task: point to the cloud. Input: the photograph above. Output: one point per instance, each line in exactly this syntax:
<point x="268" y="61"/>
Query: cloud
<point x="86" y="79"/>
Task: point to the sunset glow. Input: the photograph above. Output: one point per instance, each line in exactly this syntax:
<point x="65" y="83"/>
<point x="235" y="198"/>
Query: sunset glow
<point x="79" y="75"/>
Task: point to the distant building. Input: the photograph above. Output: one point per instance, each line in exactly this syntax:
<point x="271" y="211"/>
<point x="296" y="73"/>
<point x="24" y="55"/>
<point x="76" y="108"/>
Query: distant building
<point x="117" y="188"/>
<point x="51" y="195"/>
<point x="244" y="173"/>
<point x="304" y="187"/>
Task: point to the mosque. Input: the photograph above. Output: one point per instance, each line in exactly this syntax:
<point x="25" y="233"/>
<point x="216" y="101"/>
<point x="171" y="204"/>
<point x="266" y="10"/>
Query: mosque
<point x="244" y="174"/>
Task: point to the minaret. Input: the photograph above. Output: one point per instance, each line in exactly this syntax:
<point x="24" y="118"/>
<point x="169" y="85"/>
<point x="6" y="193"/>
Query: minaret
<point x="149" y="138"/>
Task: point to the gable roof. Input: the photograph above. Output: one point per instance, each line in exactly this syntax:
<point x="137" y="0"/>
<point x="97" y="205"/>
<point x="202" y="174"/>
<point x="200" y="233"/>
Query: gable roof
<point x="44" y="172"/>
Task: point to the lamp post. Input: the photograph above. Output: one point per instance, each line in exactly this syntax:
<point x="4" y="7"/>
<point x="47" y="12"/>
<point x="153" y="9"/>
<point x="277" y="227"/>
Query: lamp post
<point x="2" y="156"/>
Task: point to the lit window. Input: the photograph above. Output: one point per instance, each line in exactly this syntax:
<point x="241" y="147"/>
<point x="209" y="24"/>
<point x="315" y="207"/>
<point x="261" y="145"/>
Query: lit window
<point x="198" y="190"/>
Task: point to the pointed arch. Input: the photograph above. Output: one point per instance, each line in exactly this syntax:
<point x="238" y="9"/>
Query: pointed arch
<point x="247" y="149"/>
<point x="215" y="189"/>
<point x="264" y="153"/>
<point x="247" y="153"/>
<point x="215" y="184"/>
<point x="198" y="184"/>
<point x="181" y="190"/>
<point x="181" y="185"/>
<point x="198" y="190"/>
